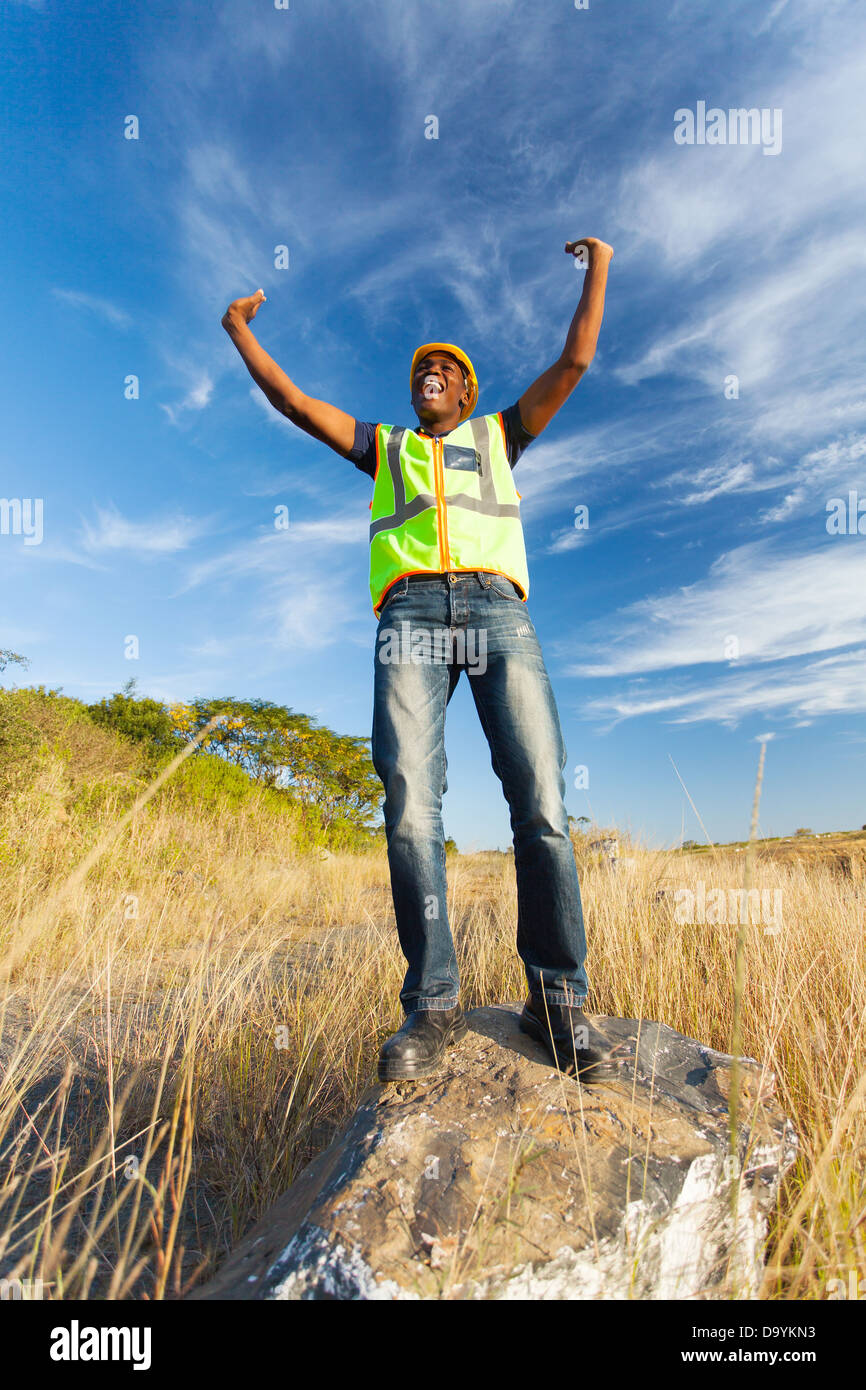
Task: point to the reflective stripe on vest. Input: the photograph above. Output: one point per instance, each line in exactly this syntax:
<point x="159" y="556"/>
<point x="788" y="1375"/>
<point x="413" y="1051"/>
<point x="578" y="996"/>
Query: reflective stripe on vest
<point x="479" y="524"/>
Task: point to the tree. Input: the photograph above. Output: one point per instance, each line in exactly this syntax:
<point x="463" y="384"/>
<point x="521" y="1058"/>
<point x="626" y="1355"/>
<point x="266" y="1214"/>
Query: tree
<point x="7" y="657"/>
<point x="289" y="751"/>
<point x="142" y="721"/>
<point x="802" y="831"/>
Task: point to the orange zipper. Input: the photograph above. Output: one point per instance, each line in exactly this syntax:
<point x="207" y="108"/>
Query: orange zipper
<point x="441" y="513"/>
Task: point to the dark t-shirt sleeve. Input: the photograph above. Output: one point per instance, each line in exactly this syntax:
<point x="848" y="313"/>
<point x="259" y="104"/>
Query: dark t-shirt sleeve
<point x="517" y="437"/>
<point x="363" y="451"/>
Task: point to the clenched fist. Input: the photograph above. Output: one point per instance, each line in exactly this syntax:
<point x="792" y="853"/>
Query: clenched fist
<point x="597" y="250"/>
<point x="243" y="309"/>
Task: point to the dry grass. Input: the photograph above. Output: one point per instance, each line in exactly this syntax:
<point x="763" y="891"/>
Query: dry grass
<point x="192" y="1022"/>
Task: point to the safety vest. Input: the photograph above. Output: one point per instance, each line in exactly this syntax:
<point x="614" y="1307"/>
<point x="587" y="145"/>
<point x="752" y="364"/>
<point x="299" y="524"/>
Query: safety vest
<point x="444" y="504"/>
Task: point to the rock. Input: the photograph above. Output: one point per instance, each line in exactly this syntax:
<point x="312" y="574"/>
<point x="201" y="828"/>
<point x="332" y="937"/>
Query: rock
<point x="608" y="849"/>
<point x="849" y="866"/>
<point x="501" y="1178"/>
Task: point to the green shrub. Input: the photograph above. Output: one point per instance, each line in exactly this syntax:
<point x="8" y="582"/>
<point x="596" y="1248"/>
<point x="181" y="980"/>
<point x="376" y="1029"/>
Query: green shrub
<point x="142" y="721"/>
<point x="36" y="723"/>
<point x="206" y="779"/>
<point x="19" y="743"/>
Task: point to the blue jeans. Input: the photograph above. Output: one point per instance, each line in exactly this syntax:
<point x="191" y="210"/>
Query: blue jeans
<point x="429" y="630"/>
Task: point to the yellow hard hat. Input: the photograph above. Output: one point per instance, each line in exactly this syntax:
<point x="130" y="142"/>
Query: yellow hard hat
<point x="464" y="362"/>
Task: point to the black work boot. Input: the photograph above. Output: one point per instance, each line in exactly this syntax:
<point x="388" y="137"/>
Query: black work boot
<point x="571" y="1039"/>
<point x="418" y="1047"/>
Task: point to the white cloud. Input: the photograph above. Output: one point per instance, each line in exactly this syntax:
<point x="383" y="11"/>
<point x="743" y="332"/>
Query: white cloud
<point x="566" y="540"/>
<point x="196" y="398"/>
<point x="161" y="535"/>
<point x="834" y="685"/>
<point x="716" y="480"/>
<point x="817" y="406"/>
<point x="556" y="474"/>
<point x="775" y="604"/>
<point x="312" y="613"/>
<point x="763" y="258"/>
<point x="785" y="509"/>
<point x="809" y="480"/>
<point x="103" y="308"/>
<point x="837" y="461"/>
<point x="690" y="200"/>
<point x="749" y="325"/>
<point x="311" y="544"/>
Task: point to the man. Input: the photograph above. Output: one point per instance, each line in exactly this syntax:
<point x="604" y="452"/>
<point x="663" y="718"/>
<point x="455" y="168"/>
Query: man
<point x="447" y="557"/>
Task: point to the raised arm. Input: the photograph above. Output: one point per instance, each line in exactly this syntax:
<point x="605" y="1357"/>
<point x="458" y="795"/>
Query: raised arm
<point x="540" y="402"/>
<point x="323" y="421"/>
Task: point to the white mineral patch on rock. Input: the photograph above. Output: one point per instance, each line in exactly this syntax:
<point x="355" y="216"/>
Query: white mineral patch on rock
<point x="499" y="1178"/>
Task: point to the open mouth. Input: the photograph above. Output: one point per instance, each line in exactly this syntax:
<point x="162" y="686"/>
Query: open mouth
<point x="431" y="388"/>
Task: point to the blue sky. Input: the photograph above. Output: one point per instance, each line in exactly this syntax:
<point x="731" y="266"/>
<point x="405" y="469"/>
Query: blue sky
<point x="305" y="127"/>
